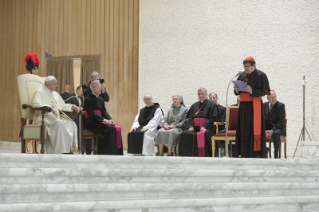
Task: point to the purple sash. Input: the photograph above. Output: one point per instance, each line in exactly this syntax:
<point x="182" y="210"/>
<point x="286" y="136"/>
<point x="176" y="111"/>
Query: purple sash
<point x="98" y="112"/>
<point x="117" y="128"/>
<point x="118" y="136"/>
<point x="200" y="136"/>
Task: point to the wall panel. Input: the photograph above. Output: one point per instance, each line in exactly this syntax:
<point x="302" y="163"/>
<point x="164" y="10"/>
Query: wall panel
<point x="108" y="28"/>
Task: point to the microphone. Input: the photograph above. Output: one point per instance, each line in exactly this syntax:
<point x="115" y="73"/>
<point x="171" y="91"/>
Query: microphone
<point x="228" y="88"/>
<point x="226" y="126"/>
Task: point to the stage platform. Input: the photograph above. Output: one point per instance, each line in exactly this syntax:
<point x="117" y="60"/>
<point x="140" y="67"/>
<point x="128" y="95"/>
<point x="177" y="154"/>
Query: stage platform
<point x="31" y="182"/>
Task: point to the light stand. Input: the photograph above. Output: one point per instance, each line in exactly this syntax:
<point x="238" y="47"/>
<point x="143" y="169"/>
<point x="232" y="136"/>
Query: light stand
<point x="226" y="123"/>
<point x="303" y="129"/>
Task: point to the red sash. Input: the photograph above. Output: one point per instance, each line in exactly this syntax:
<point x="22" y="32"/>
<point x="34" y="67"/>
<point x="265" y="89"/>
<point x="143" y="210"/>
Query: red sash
<point x="117" y="128"/>
<point x="245" y="97"/>
<point x="200" y="136"/>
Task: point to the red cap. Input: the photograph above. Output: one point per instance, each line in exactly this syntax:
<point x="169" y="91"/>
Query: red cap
<point x="250" y="58"/>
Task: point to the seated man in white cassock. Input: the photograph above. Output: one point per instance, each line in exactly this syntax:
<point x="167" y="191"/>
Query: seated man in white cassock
<point x="144" y="128"/>
<point x="61" y="130"/>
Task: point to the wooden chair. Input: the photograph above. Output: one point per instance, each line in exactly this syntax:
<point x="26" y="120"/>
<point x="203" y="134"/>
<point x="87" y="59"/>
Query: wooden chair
<point x="231" y="118"/>
<point x="27" y="84"/>
<point x="283" y="139"/>
<point x="89" y="135"/>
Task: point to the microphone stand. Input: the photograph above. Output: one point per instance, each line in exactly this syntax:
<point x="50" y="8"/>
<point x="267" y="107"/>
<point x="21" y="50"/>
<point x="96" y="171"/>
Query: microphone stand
<point x="226" y="121"/>
<point x="302" y="136"/>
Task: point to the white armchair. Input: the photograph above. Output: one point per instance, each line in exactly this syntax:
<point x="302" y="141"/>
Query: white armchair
<point x="27" y="84"/>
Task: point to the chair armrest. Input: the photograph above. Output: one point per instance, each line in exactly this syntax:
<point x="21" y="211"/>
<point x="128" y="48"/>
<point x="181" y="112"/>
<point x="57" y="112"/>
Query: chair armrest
<point x="219" y="123"/>
<point x="44" y="108"/>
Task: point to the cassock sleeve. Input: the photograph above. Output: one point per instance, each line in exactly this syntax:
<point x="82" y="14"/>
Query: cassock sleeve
<point x="155" y="121"/>
<point x="105" y="114"/>
<point x="135" y="122"/>
<point x="262" y="87"/>
<point x="189" y="117"/>
<point x="212" y="116"/>
<point x="105" y="95"/>
<point x="89" y="108"/>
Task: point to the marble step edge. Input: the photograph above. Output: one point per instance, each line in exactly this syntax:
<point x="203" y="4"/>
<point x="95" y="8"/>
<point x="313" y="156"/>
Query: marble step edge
<point x="158" y="203"/>
<point x="222" y="166"/>
<point x="80" y="172"/>
<point x="156" y="179"/>
<point x="124" y="187"/>
<point x="7" y="157"/>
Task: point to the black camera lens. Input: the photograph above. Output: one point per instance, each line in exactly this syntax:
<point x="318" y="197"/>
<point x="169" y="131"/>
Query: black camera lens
<point x="101" y="81"/>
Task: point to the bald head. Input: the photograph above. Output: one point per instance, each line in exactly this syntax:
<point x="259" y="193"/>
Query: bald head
<point x="68" y="88"/>
<point x="148" y="100"/>
<point x="272" y="97"/>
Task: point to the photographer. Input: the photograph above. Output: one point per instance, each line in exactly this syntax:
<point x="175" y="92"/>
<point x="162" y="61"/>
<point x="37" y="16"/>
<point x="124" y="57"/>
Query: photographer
<point x="87" y="90"/>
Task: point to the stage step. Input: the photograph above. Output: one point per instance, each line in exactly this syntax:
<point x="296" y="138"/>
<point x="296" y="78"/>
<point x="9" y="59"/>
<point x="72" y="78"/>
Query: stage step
<point x="136" y="183"/>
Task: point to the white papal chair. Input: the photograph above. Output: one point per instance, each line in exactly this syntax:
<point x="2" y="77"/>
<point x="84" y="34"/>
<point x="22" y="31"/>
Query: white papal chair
<point x="27" y="84"/>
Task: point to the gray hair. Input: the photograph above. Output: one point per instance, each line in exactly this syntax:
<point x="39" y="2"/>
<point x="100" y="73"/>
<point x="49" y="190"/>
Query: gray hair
<point x="94" y="83"/>
<point x="94" y="74"/>
<point x="202" y="89"/>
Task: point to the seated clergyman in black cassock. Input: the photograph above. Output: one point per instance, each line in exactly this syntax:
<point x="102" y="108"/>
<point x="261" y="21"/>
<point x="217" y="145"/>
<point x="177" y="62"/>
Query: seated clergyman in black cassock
<point x="100" y="122"/>
<point x="144" y="128"/>
<point x="196" y="141"/>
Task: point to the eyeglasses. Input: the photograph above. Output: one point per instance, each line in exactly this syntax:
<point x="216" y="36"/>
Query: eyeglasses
<point x="246" y="66"/>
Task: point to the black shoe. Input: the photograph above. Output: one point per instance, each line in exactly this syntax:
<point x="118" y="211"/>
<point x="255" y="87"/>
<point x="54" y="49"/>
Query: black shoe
<point x="276" y="156"/>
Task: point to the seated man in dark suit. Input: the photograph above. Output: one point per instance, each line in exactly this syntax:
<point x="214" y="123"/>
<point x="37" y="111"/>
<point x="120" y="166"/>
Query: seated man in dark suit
<point x="221" y="118"/>
<point x="275" y="115"/>
<point x="221" y="110"/>
<point x="78" y="101"/>
<point x="87" y="90"/>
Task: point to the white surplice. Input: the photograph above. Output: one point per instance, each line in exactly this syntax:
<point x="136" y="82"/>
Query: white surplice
<point x="61" y="132"/>
<point x="150" y="134"/>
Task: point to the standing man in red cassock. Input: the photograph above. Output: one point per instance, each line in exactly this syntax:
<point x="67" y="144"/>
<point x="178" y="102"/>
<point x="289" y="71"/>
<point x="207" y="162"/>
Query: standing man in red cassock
<point x="250" y="133"/>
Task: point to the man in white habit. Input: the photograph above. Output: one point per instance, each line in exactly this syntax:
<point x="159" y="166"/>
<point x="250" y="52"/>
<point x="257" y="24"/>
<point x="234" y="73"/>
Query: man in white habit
<point x="61" y="130"/>
<point x="144" y="128"/>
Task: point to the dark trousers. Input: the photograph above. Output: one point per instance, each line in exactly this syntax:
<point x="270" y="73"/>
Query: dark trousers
<point x="276" y="137"/>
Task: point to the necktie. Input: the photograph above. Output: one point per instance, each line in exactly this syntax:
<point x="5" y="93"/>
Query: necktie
<point x="79" y="101"/>
<point x="270" y="107"/>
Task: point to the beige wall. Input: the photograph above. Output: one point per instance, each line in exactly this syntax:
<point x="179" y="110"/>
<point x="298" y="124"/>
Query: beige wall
<point x="108" y="28"/>
<point x="185" y="44"/>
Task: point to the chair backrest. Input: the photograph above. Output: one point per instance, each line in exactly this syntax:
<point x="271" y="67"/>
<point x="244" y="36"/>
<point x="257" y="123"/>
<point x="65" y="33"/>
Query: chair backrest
<point x="232" y="117"/>
<point x="27" y="84"/>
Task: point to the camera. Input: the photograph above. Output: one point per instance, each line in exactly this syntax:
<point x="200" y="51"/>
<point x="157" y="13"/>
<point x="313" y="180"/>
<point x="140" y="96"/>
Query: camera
<point x="101" y="81"/>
